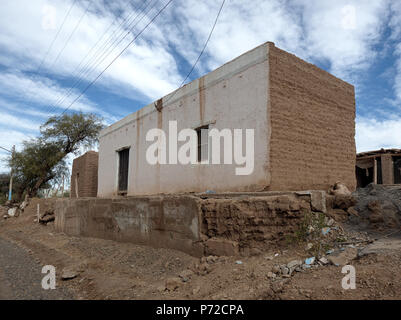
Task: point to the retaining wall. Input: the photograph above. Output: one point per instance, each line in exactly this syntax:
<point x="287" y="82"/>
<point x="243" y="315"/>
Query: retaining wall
<point x="221" y="224"/>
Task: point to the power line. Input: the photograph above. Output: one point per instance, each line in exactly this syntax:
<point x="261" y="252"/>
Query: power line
<point x="107" y="48"/>
<point x="6" y="149"/>
<point x="125" y="48"/>
<point x="56" y="36"/>
<point x="202" y="52"/>
<point x="77" y="70"/>
<point x="52" y="43"/>
<point x="72" y="33"/>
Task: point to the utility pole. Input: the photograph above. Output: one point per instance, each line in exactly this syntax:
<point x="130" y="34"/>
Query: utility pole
<point x="10" y="190"/>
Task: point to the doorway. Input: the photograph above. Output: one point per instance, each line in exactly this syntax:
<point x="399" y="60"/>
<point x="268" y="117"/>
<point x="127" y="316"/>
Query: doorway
<point x="397" y="170"/>
<point x="123" y="170"/>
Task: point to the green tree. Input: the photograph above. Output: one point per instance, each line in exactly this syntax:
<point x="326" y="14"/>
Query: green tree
<point x="4" y="186"/>
<point x="43" y="159"/>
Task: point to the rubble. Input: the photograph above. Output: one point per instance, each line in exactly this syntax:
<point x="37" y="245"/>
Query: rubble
<point x="310" y="261"/>
<point x="343" y="257"/>
<point x="377" y="208"/>
<point x="12" y="212"/>
<point x="173" y="284"/>
<point x="47" y="217"/>
<point x="186" y="275"/>
<point x="339" y="189"/>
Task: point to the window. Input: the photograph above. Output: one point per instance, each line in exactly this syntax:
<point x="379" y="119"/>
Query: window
<point x="203" y="143"/>
<point x="123" y="158"/>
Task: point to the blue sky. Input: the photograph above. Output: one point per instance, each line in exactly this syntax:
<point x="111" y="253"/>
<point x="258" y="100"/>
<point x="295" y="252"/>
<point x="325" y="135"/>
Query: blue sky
<point x="358" y="41"/>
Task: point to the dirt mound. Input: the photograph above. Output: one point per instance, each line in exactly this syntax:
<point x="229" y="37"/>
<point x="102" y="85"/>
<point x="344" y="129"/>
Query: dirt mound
<point x="378" y="207"/>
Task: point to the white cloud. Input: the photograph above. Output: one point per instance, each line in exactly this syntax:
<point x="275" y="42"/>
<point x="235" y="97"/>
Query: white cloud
<point x="343" y="32"/>
<point x="15" y="108"/>
<point x="312" y="29"/>
<point x="18" y="122"/>
<point x="374" y="135"/>
<point x="41" y="91"/>
<point x="8" y="138"/>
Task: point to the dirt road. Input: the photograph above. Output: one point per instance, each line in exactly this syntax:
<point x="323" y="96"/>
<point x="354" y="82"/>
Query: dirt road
<point x="111" y="270"/>
<point x="20" y="276"/>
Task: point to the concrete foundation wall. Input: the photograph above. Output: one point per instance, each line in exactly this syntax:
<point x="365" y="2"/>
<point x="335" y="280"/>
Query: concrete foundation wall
<point x="313" y="126"/>
<point x="225" y="224"/>
<point x="161" y="222"/>
<point x="84" y="176"/>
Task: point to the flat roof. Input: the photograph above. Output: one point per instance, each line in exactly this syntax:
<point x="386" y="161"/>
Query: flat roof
<point x="378" y="152"/>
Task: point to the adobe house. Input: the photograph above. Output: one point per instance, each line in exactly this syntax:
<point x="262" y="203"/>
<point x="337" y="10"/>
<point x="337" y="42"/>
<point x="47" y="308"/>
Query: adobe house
<point x="84" y="175"/>
<point x="378" y="167"/>
<point x="303" y="120"/>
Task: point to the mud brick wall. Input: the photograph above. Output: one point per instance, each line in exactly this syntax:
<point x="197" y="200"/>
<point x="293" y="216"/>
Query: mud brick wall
<point x="244" y="225"/>
<point x="313" y="126"/>
<point x="387" y="169"/>
<point x="85" y="175"/>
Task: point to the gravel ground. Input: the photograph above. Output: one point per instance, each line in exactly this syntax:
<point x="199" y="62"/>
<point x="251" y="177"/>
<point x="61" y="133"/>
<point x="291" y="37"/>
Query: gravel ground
<point x="21" y="277"/>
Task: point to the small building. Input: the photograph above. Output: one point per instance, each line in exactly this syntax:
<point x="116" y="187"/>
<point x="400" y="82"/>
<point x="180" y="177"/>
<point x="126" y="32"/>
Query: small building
<point x="379" y="167"/>
<point x="303" y="120"/>
<point x="84" y="177"/>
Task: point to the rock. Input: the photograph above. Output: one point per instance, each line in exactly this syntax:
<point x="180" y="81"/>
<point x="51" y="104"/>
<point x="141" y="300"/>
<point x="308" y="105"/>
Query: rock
<point x="344" y="201"/>
<point x="309" y="246"/>
<point x="271" y="275"/>
<point x="339" y="189"/>
<point x="23" y="205"/>
<point x="376" y="212"/>
<point x="212" y="259"/>
<point x="276" y="269"/>
<point x="12" y="212"/>
<point x="47" y="217"/>
<point x="173" y="283"/>
<point x="69" y="273"/>
<point x="293" y="264"/>
<point x="330" y="222"/>
<point x="342" y="258"/>
<point x="186" y="275"/>
<point x="196" y="290"/>
<point x="204" y="268"/>
<point x="305" y="267"/>
<point x="353" y="211"/>
<point x="284" y="270"/>
<point x="299" y="269"/>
